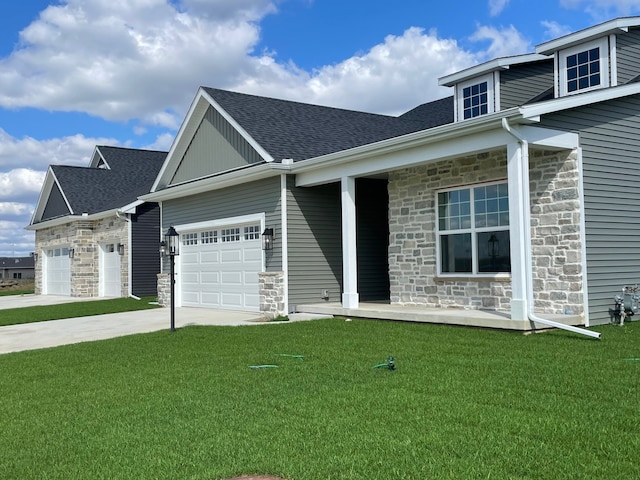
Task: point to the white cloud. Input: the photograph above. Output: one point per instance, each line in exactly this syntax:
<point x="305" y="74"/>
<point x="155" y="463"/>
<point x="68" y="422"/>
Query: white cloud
<point x="497" y="6"/>
<point x="162" y="142"/>
<point x="18" y="184"/>
<point x="601" y="10"/>
<point x="502" y="42"/>
<point x="14" y="208"/>
<point x="554" y="30"/>
<point x="38" y="154"/>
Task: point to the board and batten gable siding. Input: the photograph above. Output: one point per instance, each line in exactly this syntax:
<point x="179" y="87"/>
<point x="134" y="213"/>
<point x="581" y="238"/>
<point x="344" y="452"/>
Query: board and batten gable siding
<point x="144" y="249"/>
<point x="610" y="141"/>
<point x="628" y="55"/>
<point x="56" y="206"/>
<point x="248" y="199"/>
<point x="216" y="147"/>
<point x="521" y="83"/>
<point x="315" y="243"/>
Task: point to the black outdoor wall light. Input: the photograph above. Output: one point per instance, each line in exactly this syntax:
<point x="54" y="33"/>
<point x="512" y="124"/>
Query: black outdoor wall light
<point x="267" y="239"/>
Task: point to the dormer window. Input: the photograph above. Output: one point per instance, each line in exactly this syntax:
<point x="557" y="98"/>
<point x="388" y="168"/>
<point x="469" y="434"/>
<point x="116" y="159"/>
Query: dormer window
<point x="584" y="67"/>
<point x="475" y="97"/>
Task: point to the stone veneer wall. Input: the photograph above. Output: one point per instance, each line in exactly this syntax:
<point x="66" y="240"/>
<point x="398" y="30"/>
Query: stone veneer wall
<point x="554" y="180"/>
<point x="84" y="237"/>
<point x="271" y="288"/>
<point x="164" y="290"/>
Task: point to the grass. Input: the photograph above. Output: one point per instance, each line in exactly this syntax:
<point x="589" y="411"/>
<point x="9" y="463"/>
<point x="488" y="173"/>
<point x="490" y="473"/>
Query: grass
<point x="462" y="404"/>
<point x="25" y="291"/>
<point x="14" y="316"/>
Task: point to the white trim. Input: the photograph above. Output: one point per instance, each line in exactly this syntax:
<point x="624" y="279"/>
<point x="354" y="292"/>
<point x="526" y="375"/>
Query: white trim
<point x="613" y="61"/>
<point x="603" y="46"/>
<point x="222" y="222"/>
<point x="502" y="63"/>
<point x="350" y="297"/>
<point x="583" y="236"/>
<point x="573" y="101"/>
<point x="618" y="25"/>
<point x="490" y="80"/>
<point x="284" y="241"/>
<point x="496" y="91"/>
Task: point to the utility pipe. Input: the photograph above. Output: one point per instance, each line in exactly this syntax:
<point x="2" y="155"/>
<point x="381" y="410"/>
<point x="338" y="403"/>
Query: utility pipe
<point x="524" y="145"/>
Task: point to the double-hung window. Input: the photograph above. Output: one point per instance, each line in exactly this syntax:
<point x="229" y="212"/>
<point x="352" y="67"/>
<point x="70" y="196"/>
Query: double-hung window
<point x="473" y="230"/>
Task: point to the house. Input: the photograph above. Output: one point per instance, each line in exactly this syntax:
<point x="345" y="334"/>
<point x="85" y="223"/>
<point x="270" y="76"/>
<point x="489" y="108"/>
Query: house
<point x="16" y="268"/>
<point x="93" y="237"/>
<point x="515" y="196"/>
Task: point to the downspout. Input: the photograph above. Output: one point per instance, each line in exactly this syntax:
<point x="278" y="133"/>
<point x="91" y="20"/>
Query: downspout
<point x="126" y="218"/>
<point x="528" y="256"/>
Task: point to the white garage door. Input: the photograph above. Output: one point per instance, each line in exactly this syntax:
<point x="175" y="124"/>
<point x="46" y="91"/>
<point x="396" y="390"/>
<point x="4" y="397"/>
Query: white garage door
<point x="58" y="272"/>
<point x="109" y="285"/>
<point x="219" y="267"/>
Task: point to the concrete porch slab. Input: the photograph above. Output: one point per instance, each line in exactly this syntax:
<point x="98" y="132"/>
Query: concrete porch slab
<point x="447" y="316"/>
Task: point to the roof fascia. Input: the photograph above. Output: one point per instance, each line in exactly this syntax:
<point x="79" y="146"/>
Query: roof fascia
<point x="502" y="63"/>
<point x="187" y="131"/>
<point x="96" y="157"/>
<point x="217" y="182"/>
<point x="572" y="101"/>
<point x="50" y="180"/>
<point x="613" y="26"/>
<point x="73" y="218"/>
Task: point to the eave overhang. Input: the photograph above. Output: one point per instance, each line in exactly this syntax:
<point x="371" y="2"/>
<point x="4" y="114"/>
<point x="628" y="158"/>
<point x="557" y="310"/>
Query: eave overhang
<point x="503" y="63"/>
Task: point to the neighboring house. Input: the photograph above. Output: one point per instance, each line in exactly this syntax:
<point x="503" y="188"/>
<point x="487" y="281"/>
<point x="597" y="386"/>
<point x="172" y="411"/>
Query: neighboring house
<point x="93" y="237"/>
<point x="517" y="195"/>
<point x="16" y="268"/>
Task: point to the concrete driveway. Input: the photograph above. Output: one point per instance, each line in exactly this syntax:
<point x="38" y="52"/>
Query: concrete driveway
<point x="30" y="336"/>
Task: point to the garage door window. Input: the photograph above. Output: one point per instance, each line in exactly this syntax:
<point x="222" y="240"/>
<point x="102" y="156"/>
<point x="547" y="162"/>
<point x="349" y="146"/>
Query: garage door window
<point x="252" y="232"/>
<point x="231" y="234"/>
<point x="209" y="237"/>
<point x="190" y="239"/>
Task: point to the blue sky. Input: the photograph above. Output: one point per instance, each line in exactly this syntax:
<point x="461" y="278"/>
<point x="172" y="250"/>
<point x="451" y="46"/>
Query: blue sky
<point x="80" y="73"/>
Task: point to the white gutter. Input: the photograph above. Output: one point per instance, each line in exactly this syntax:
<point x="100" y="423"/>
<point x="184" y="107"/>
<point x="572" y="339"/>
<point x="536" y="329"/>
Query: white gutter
<point x="528" y="246"/>
<point x="127" y="219"/>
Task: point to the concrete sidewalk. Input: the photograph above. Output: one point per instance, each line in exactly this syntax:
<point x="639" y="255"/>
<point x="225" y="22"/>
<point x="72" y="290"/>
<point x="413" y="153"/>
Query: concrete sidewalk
<point x="53" y="333"/>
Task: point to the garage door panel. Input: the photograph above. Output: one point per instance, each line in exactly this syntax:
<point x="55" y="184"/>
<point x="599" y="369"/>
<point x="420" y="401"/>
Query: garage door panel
<point x="210" y="258"/>
<point x="210" y="278"/>
<point x="190" y="258"/>
<point x="228" y="270"/>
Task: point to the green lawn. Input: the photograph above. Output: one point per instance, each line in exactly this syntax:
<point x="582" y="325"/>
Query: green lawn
<point x="14" y="316"/>
<point x="462" y="404"/>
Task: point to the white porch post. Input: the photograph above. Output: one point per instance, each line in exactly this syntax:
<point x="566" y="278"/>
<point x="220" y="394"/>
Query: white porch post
<point x="350" y="295"/>
<point x="517" y="229"/>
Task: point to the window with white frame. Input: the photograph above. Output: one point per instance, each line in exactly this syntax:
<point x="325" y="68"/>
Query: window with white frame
<point x="473" y="230"/>
<point x="584" y="67"/>
<point x="230" y="234"/>
<point x="475" y="97"/>
<point x="189" y="238"/>
<point x="210" y="236"/>
<point x="252" y="232"/>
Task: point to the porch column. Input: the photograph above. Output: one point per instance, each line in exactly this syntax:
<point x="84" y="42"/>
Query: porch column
<point x="350" y="295"/>
<point x="518" y="201"/>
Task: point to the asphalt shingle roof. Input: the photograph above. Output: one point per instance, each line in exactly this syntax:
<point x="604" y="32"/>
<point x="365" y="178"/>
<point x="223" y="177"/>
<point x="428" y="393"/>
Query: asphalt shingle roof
<point x="287" y="129"/>
<point x="92" y="190"/>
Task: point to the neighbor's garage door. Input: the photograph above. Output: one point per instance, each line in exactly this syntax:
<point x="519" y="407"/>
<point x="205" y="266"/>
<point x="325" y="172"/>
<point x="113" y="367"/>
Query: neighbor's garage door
<point x="58" y="272"/>
<point x="219" y="267"/>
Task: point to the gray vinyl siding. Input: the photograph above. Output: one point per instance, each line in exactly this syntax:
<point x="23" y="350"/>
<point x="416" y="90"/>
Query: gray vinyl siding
<point x="521" y="83"/>
<point x="315" y="243"/>
<point x="216" y="147"/>
<point x="56" y="206"/>
<point x="628" y="55"/>
<point x="145" y="257"/>
<point x="610" y="141"/>
<point x="251" y="198"/>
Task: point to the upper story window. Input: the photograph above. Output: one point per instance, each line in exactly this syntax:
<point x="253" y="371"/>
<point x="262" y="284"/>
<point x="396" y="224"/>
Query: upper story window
<point x="475" y="97"/>
<point x="584" y="67"/>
